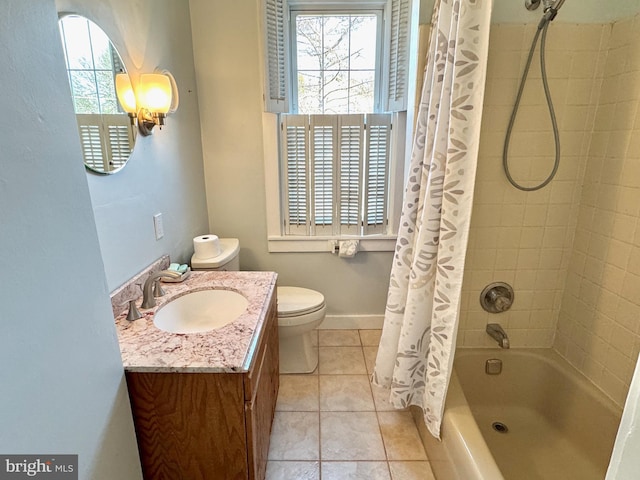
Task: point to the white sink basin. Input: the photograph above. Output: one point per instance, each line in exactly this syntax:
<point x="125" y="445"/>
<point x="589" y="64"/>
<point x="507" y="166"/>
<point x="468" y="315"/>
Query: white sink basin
<point x="201" y="311"/>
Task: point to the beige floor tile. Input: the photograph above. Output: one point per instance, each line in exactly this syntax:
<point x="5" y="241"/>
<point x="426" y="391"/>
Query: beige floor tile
<point x="381" y="399"/>
<point x="298" y="393"/>
<point x="338" y="338"/>
<point x="370" y="338"/>
<point x="345" y="393"/>
<point x="287" y="470"/>
<point x="295" y="436"/>
<point x="370" y="354"/>
<point x="350" y="436"/>
<point x="355" y="471"/>
<point x="400" y="436"/>
<point x="411" y="471"/>
<point x="341" y="361"/>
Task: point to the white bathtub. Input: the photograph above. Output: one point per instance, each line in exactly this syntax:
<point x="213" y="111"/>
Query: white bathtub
<point x="559" y="425"/>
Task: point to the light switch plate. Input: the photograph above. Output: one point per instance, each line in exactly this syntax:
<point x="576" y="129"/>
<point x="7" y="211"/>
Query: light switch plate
<point x="158" y="226"/>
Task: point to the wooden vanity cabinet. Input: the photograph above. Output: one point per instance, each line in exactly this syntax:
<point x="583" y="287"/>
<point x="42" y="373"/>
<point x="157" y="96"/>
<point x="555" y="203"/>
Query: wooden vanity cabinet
<point x="193" y="426"/>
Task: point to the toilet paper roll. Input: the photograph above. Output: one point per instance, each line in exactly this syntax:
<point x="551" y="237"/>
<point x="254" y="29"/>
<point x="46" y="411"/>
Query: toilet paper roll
<point x="206" y="246"/>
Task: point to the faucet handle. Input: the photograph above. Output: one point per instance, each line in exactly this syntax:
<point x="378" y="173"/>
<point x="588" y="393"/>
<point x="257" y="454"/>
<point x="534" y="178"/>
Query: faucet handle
<point x="134" y="313"/>
<point x="158" y="291"/>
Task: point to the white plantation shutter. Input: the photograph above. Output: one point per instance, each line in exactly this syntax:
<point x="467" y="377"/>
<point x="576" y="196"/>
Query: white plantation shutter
<point x="295" y="145"/>
<point x="106" y="140"/>
<point x="120" y="139"/>
<point x="398" y="61"/>
<point x="92" y="146"/>
<point x="323" y="164"/>
<point x="376" y="182"/>
<point x="351" y="139"/>
<point x="276" y="42"/>
<point x="336" y="174"/>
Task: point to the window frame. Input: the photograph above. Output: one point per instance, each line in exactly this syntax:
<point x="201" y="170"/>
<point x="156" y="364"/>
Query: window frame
<point x="401" y="133"/>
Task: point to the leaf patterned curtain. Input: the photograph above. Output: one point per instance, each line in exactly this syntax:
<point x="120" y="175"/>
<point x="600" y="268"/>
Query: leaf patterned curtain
<point x="421" y="318"/>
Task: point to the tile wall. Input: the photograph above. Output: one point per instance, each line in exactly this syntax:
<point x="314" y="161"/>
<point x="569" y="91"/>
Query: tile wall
<point x="599" y="322"/>
<point x="525" y="238"/>
<point x="571" y="250"/>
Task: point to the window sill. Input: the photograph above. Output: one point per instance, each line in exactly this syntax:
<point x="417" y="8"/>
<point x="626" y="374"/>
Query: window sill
<point x="283" y="244"/>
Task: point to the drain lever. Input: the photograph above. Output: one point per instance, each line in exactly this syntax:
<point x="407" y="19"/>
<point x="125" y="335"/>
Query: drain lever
<point x="493" y="366"/>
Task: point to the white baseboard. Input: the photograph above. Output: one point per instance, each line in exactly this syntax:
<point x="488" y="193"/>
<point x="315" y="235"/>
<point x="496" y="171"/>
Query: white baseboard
<point x="352" y="322"/>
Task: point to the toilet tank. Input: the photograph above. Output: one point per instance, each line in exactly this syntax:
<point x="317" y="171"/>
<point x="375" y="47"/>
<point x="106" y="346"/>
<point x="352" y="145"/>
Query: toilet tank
<point x="227" y="260"/>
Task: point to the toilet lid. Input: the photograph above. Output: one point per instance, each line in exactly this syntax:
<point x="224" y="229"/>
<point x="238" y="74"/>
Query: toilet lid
<point x="298" y="301"/>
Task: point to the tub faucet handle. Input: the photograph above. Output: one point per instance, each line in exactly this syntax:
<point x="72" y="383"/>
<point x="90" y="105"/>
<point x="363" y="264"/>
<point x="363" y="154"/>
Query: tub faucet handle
<point x="497" y="297"/>
<point x="502" y="303"/>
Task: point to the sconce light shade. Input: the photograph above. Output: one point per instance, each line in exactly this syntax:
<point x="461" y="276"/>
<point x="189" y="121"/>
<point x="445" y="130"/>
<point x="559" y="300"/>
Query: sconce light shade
<point x="155" y="91"/>
<point x="124" y="90"/>
<point x="149" y="104"/>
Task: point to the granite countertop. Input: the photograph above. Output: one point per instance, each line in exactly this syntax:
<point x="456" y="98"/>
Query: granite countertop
<point x="146" y="348"/>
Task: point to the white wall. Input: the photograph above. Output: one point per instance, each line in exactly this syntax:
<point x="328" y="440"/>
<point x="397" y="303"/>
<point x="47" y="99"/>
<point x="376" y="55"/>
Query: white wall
<point x="165" y="172"/>
<point x="228" y="56"/>
<point x="62" y="379"/>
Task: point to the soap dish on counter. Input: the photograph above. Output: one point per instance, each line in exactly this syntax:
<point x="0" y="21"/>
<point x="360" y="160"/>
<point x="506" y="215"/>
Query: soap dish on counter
<point x="182" y="278"/>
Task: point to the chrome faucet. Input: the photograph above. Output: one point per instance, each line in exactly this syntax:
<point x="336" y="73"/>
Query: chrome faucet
<point x="498" y="334"/>
<point x="148" y="299"/>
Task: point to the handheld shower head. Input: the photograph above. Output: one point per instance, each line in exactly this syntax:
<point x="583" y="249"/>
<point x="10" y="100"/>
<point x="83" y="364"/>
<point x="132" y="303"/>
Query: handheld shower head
<point x="551" y="8"/>
<point x="552" y="4"/>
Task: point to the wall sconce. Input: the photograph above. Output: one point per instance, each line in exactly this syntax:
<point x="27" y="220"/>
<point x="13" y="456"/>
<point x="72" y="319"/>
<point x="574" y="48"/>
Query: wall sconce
<point x="152" y="101"/>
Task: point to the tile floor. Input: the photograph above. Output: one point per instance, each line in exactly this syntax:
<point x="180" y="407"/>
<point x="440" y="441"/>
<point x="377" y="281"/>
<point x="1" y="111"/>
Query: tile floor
<point x="334" y="425"/>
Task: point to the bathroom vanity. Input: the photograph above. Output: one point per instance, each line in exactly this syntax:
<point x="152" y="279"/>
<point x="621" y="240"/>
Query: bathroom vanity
<point x="203" y="403"/>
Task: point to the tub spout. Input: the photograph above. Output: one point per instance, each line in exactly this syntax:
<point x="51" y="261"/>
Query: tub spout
<point x="496" y="332"/>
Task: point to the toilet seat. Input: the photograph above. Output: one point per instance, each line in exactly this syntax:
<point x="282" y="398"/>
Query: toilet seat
<point x="296" y="305"/>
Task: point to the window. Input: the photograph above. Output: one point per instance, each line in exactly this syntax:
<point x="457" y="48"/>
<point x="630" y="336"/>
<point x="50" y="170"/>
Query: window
<point x="341" y="117"/>
<point x="92" y="62"/>
<point x="336" y="62"/>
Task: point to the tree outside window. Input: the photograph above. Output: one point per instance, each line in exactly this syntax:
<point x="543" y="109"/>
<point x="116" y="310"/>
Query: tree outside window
<point x="336" y="63"/>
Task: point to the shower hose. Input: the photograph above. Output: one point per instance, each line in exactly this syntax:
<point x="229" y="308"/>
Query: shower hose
<point x="541" y="32"/>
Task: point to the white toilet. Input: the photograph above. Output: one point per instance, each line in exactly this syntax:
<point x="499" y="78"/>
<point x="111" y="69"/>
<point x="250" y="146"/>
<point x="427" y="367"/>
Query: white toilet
<point x="300" y="311"/>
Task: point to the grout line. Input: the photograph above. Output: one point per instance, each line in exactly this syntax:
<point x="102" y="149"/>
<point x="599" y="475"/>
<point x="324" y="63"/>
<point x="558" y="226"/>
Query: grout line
<point x="319" y="420"/>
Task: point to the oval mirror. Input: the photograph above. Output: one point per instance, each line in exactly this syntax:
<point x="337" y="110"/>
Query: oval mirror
<point x="107" y="135"/>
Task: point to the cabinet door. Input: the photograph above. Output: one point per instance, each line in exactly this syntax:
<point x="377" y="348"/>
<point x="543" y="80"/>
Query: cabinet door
<point x="261" y="408"/>
<point x="189" y="426"/>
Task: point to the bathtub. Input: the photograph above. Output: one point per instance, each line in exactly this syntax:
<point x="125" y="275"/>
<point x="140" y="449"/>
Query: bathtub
<point x="550" y="422"/>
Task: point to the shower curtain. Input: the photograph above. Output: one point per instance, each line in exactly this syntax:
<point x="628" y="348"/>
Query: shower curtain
<point x="421" y="319"/>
